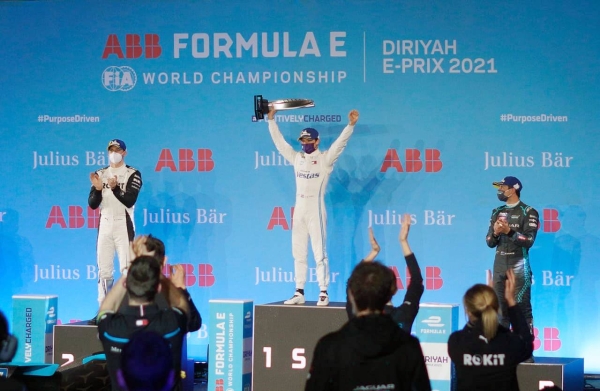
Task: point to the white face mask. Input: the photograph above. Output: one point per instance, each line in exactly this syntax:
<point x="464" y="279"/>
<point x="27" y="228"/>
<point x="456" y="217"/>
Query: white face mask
<point x="115" y="158"/>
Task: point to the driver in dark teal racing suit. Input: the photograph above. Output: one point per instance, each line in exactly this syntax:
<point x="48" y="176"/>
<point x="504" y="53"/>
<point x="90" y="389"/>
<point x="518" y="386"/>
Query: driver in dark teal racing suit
<point x="512" y="231"/>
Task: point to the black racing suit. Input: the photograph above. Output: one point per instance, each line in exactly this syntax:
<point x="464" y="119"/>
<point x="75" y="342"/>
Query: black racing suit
<point x="490" y="365"/>
<point x="512" y="252"/>
<point x="405" y="314"/>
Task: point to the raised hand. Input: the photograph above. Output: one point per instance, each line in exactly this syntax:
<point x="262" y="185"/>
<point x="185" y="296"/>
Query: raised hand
<point x="374" y="247"/>
<point x="403" y="236"/>
<point x="353" y="117"/>
<point x="178" y="276"/>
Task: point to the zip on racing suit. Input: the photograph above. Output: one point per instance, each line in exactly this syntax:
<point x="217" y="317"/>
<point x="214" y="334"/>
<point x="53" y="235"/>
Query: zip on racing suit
<point x="512" y="251"/>
<point x="116" y="227"/>
<point x="310" y="218"/>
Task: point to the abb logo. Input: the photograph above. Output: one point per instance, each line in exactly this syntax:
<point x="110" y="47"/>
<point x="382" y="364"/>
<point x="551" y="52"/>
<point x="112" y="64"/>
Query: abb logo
<point x="133" y="46"/>
<point x="551" y="340"/>
<point x="551" y="221"/>
<point x="412" y="161"/>
<point x="204" y="277"/>
<point x="433" y="278"/>
<point x="219" y="385"/>
<point x="278" y="218"/>
<point x="186" y="160"/>
<point x="74" y="216"/>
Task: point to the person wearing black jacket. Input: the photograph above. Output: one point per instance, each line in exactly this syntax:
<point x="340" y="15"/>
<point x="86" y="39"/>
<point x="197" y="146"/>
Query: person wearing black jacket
<point x="370" y="352"/>
<point x="405" y="314"/>
<point x="130" y="307"/>
<point x="486" y="354"/>
<point x="8" y="348"/>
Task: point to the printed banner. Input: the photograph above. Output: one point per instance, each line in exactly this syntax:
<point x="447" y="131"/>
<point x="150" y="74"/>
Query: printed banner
<point x="452" y="97"/>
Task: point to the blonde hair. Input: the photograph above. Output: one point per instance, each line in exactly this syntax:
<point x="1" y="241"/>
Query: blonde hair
<point x="481" y="303"/>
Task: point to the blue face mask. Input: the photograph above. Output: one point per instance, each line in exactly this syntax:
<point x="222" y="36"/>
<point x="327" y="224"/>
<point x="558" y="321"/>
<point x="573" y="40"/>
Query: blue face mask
<point x="309" y="148"/>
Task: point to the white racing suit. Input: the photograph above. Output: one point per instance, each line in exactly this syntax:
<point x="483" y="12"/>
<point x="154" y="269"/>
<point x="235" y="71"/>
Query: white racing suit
<point x="310" y="218"/>
<point x="116" y="228"/>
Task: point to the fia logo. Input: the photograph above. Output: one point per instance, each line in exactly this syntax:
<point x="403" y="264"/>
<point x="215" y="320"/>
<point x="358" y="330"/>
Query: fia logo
<point x="119" y="78"/>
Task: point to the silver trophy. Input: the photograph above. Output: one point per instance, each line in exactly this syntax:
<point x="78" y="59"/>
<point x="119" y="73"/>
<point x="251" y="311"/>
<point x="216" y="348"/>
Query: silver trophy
<point x="263" y="106"/>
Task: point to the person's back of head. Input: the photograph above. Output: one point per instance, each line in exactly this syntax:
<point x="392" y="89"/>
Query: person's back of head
<point x="8" y="349"/>
<point x="156" y="247"/>
<point x="3" y="327"/>
<point x="481" y="304"/>
<point x="143" y="278"/>
<point x="146" y="363"/>
<point x="371" y="286"/>
<point x="149" y="245"/>
<point x="8" y="342"/>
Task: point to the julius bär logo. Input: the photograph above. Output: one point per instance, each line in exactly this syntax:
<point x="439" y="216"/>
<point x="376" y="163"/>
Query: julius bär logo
<point x="413" y="161"/>
<point x="119" y="78"/>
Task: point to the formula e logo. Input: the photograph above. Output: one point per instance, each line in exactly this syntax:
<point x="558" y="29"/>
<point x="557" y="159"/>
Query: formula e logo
<point x="433" y="321"/>
<point x="119" y="78"/>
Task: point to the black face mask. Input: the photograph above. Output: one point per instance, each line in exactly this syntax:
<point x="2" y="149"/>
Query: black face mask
<point x="501" y="196"/>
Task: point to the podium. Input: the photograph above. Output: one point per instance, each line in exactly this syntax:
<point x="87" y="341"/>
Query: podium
<point x="74" y="342"/>
<point x="79" y="352"/>
<point x="285" y="337"/>
<point x="33" y="319"/>
<point x="433" y="326"/>
<point x="230" y="345"/>
<point x="566" y="373"/>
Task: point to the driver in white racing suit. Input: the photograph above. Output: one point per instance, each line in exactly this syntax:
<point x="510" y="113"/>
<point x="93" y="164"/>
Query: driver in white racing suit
<point x="115" y="190"/>
<point x="312" y="168"/>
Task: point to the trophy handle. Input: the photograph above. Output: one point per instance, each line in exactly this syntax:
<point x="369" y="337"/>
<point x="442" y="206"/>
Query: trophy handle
<point x="262" y="106"/>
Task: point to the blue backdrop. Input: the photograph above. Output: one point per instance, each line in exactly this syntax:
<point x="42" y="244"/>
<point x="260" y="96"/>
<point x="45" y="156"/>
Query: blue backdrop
<point x="452" y="97"/>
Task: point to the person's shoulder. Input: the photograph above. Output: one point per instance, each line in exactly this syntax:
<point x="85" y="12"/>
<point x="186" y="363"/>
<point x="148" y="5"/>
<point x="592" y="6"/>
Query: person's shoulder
<point x="174" y="310"/>
<point x="409" y="339"/>
<point x="102" y="170"/>
<point x="498" y="209"/>
<point x="528" y="208"/>
<point x="456" y="334"/>
<point x="459" y="336"/>
<point x="106" y="320"/>
<point x="334" y="337"/>
<point x="132" y="169"/>
<point x="175" y="313"/>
